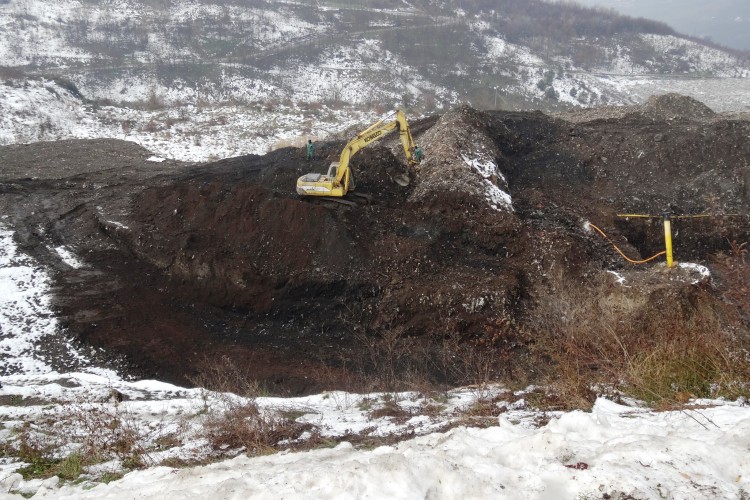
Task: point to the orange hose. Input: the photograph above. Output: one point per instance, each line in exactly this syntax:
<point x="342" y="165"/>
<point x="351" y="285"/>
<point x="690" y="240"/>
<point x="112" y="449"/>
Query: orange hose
<point x="620" y="251"/>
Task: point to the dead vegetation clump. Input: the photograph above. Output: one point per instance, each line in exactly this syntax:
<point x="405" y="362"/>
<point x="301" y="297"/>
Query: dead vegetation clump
<point x="233" y="419"/>
<point x="67" y="441"/>
<point x="661" y="345"/>
<point x="106" y="431"/>
<point x="239" y="424"/>
<point x="391" y="362"/>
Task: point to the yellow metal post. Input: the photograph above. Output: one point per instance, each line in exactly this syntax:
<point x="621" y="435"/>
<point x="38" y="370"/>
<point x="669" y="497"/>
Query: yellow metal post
<point x="668" y="239"/>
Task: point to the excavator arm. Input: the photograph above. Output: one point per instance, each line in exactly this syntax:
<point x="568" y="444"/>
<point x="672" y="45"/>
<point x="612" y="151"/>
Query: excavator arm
<point x="338" y="182"/>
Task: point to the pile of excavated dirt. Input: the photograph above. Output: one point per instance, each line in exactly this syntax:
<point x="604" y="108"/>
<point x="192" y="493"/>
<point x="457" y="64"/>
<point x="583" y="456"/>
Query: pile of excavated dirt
<point x="659" y="107"/>
<point x="676" y="107"/>
<point x="460" y="168"/>
<point x="186" y="264"/>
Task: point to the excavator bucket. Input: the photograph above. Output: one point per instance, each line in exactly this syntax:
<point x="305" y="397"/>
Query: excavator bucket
<point x="402" y="179"/>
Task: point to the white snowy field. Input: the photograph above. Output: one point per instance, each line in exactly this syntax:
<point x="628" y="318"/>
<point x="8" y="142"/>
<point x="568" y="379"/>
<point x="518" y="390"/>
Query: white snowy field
<point x="702" y="451"/>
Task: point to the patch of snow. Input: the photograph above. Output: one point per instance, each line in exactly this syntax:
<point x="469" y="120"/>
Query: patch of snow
<point x="697" y="57"/>
<point x="611" y="451"/>
<point x="31" y="340"/>
<point x="700" y="273"/>
<point x="619" y="278"/>
<point x="68" y="257"/>
<point x="155" y="159"/>
<point x="497" y="198"/>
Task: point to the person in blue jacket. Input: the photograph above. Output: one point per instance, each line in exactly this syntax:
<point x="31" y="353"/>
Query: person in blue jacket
<point x="418" y="154"/>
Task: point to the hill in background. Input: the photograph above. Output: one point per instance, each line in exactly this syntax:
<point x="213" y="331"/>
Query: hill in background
<point x="199" y="80"/>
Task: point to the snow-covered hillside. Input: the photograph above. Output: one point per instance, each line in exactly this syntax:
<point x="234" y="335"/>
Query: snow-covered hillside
<point x="199" y="80"/>
<point x="41" y="110"/>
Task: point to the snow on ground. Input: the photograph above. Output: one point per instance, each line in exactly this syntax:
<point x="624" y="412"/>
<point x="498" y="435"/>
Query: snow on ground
<point x="613" y="450"/>
<point x="68" y="257"/>
<point x="698" y="58"/>
<point x="716" y="78"/>
<point x="696" y="272"/>
<point x="26" y="318"/>
<point x="39" y="31"/>
<point x="22" y="296"/>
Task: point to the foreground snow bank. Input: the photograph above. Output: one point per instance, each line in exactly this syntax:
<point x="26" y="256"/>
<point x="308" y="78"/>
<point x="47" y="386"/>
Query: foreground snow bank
<point x="613" y="450"/>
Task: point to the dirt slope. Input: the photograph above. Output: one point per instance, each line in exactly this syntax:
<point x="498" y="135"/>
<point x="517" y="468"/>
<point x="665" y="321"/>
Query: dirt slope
<point x="186" y="262"/>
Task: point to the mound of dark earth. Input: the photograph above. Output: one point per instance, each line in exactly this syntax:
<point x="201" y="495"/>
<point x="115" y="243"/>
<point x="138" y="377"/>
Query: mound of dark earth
<point x="190" y="263"/>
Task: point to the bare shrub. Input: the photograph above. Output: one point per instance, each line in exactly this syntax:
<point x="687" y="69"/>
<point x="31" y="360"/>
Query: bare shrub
<point x="106" y="430"/>
<point x="127" y="126"/>
<point x="389" y="356"/>
<point x="390" y="409"/>
<point x="271" y="104"/>
<point x="234" y="420"/>
<point x="224" y="375"/>
<point x="478" y="361"/>
<point x="241" y="424"/>
<point x="96" y="432"/>
<point x="151" y="126"/>
<point x="392" y="362"/>
<point x="154" y="101"/>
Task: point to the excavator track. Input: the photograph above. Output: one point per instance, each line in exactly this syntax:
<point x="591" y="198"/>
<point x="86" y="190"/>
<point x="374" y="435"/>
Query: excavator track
<point x="352" y="199"/>
<point x="340" y="201"/>
<point x="329" y="201"/>
<point x="360" y="198"/>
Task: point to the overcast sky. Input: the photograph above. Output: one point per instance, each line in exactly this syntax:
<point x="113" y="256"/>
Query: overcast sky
<point x="724" y="21"/>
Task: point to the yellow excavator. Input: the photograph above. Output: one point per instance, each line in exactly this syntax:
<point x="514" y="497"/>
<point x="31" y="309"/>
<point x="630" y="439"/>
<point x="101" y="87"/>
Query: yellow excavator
<point x="339" y="180"/>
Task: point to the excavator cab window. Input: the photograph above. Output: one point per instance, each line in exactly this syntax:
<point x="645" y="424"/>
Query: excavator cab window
<point x="333" y="170"/>
<point x="311" y="177"/>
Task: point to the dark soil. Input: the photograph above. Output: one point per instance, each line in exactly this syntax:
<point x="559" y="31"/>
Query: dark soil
<point x="187" y="264"/>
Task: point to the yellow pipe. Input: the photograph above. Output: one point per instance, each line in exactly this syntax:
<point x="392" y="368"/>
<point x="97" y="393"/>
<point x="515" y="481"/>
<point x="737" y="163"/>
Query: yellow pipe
<point x="668" y="239"/>
<point x="620" y="251"/>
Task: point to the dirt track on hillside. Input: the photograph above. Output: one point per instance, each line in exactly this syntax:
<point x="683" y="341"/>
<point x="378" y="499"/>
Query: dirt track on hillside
<point x="188" y="263"/>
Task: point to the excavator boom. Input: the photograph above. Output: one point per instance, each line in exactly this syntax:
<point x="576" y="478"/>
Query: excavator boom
<point x="338" y="180"/>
